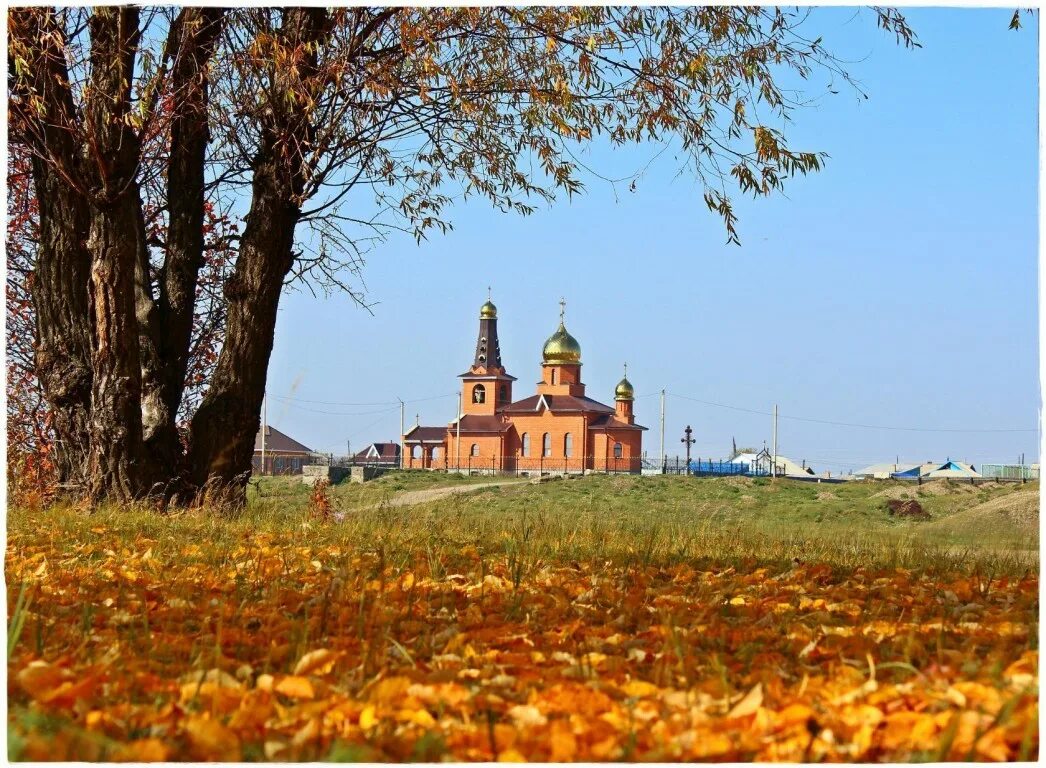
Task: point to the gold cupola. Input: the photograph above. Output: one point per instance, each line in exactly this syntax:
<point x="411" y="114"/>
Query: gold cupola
<point x="624" y="389"/>
<point x="561" y="347"/>
<point x="488" y="311"/>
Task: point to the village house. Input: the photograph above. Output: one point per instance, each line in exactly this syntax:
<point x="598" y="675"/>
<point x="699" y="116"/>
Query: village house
<point x="283" y="454"/>
<point x="378" y="455"/>
<point x="556" y="429"/>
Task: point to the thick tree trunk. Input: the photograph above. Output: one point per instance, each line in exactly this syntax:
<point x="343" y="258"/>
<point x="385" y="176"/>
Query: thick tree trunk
<point x="118" y="469"/>
<point x="226" y="424"/>
<point x="63" y="340"/>
<point x="62" y="269"/>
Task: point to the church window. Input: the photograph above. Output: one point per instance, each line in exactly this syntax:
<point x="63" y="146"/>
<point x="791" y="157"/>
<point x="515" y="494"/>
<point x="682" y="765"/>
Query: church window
<point x="415" y="452"/>
<point x="479" y="394"/>
<point x="475" y="449"/>
<point x="546" y="445"/>
<point x="568" y="445"/>
<point x="504" y="393"/>
<point x="435" y="453"/>
<point x="526" y="444"/>
<point x="617" y="450"/>
<point x="553" y="375"/>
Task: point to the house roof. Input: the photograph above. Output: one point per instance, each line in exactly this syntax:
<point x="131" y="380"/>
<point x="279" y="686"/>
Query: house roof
<point x="953" y="469"/>
<point x="558" y="404"/>
<point x="473" y="423"/>
<point x="380" y="451"/>
<point x="419" y="434"/>
<point x="278" y="442"/>
<point x="609" y="421"/>
<point x="784" y="464"/>
<point x="886" y="469"/>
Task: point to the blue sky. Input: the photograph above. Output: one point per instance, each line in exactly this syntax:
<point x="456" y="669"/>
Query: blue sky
<point x="895" y="288"/>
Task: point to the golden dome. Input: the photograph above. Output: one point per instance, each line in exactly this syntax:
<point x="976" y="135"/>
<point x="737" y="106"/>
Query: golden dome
<point x="624" y="390"/>
<point x="488" y="311"/>
<point x="561" y="347"/>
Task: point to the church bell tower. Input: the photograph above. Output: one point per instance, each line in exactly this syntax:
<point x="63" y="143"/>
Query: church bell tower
<point x="486" y="386"/>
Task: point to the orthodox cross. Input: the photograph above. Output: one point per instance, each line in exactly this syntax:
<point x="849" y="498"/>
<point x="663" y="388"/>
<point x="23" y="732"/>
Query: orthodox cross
<point x="562" y="309"/>
<point x="689" y="441"/>
<point x="488" y="293"/>
<point x="626" y="370"/>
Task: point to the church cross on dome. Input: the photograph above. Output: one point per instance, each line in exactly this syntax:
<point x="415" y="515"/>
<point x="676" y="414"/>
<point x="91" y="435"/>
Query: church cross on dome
<point x="562" y="310"/>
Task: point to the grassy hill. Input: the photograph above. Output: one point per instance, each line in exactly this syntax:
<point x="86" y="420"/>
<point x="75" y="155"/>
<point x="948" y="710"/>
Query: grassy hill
<point x="680" y="517"/>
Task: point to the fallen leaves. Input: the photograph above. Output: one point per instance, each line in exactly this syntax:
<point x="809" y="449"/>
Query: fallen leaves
<point x="256" y="653"/>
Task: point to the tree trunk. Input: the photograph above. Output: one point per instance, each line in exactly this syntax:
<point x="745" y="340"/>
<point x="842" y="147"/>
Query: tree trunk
<point x="194" y="36"/>
<point x="226" y="425"/>
<point x="62" y="269"/>
<point x="118" y="469"/>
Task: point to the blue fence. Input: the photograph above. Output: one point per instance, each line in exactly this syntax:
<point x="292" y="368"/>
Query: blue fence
<point x="711" y="467"/>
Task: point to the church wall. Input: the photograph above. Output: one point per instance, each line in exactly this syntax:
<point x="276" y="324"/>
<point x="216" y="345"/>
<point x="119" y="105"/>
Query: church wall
<point x="557" y="426"/>
<point x="489" y="448"/>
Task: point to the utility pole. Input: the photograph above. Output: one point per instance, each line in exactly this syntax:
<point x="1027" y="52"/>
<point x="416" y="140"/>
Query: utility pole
<point x="457" y="465"/>
<point x="689" y="441"/>
<point x="265" y="427"/>
<point x="773" y="470"/>
<point x="401" y="433"/>
<point x="662" y="464"/>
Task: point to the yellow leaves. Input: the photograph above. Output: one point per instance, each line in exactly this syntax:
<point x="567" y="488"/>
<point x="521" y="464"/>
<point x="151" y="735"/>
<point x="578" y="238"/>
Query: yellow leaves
<point x="582" y="662"/>
<point x="527" y="715"/>
<point x="210" y="740"/>
<point x="55" y="686"/>
<point x="318" y="662"/>
<point x="562" y="742"/>
<point x="368" y="717"/>
<point x="296" y="687"/>
<point x="749" y="704"/>
<point x="639" y="689"/>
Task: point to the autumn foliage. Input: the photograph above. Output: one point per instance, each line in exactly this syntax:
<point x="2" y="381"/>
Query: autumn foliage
<point x="174" y="642"/>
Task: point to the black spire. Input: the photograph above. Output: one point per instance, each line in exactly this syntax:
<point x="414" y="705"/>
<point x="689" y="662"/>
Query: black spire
<point x="488" y="351"/>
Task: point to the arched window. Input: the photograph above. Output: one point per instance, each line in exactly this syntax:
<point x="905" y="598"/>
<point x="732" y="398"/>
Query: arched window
<point x="546" y="445"/>
<point x="436" y="453"/>
<point x="415" y="452"/>
<point x="479" y="394"/>
<point x="568" y="445"/>
<point x="617" y="450"/>
<point x="504" y="393"/>
<point x="526" y="444"/>
<point x="475" y="449"/>
<point x="553" y="375"/>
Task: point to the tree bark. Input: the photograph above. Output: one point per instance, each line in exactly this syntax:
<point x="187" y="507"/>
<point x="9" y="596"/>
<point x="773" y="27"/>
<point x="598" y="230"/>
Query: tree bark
<point x="118" y="469"/>
<point x="225" y="426"/>
<point x="62" y="269"/>
<point x="193" y="40"/>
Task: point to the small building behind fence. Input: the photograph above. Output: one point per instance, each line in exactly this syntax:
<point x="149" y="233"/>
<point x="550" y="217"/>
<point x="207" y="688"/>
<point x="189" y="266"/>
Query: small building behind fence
<point x="378" y="455"/>
<point x="283" y="454"/>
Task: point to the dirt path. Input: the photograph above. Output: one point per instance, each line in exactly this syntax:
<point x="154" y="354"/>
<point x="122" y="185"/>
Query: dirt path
<point x="410" y="498"/>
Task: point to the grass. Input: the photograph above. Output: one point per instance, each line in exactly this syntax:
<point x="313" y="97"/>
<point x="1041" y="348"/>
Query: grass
<point x="718" y="583"/>
<point x="669" y="519"/>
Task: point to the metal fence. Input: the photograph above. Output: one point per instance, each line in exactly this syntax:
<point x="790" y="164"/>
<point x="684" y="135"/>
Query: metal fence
<point x="677" y="465"/>
<point x="1010" y="471"/>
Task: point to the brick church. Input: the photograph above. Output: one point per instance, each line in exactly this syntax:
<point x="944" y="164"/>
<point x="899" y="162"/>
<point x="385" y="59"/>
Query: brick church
<point x="557" y="429"/>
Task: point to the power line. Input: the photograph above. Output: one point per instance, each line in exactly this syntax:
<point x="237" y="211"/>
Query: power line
<point x="396" y="403"/>
<point x="342" y="413"/>
<point x="847" y="424"/>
